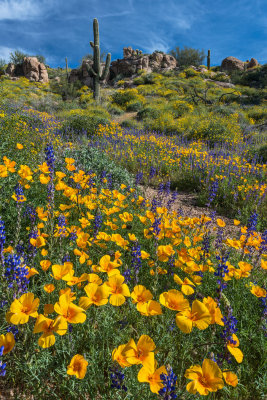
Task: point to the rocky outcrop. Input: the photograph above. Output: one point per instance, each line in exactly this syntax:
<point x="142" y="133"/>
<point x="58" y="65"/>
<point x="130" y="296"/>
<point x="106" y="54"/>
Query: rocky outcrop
<point x="252" y="63"/>
<point x="83" y="75"/>
<point x="232" y="64"/>
<point x="31" y="68"/>
<point x="134" y="61"/>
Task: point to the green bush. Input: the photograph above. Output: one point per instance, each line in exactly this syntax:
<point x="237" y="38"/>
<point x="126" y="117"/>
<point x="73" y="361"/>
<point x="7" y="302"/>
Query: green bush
<point x="256" y="77"/>
<point x="149" y="112"/>
<point x="114" y="109"/>
<point x="92" y="159"/>
<point x="134" y="105"/>
<point x="130" y="123"/>
<point x="188" y="56"/>
<point x="83" y="123"/>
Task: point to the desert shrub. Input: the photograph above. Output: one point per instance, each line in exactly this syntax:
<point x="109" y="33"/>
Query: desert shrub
<point x="2" y="66"/>
<point x="121" y="97"/>
<point x="256" y="77"/>
<point x="17" y="57"/>
<point x="212" y="128"/>
<point x="188" y="56"/>
<point x="257" y="113"/>
<point x="134" y="105"/>
<point x="164" y="122"/>
<point x="150" y="111"/>
<point x="131" y="123"/>
<point x="91" y="159"/>
<point x="81" y="121"/>
<point x="114" y="109"/>
<point x="181" y="107"/>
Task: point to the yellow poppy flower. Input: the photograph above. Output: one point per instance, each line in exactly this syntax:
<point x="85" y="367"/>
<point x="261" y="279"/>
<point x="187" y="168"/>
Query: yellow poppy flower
<point x="174" y="300"/>
<point x="199" y="316"/>
<point x="230" y="378"/>
<point x="152" y="376"/>
<point x="22" y="309"/>
<point x="49" y="288"/>
<point x="215" y="312"/>
<point x="140" y="353"/>
<point x="117" y="355"/>
<point x="140" y="294"/>
<point x="220" y="223"/>
<point x="97" y="295"/>
<point x="234" y="350"/>
<point x="49" y="327"/>
<point x="45" y="264"/>
<point x="258" y="291"/>
<point x="7" y="341"/>
<point x="77" y="366"/>
<point x="165" y="252"/>
<point x="61" y="270"/>
<point x="186" y="285"/>
<point x="118" y="289"/>
<point x="72" y="313"/>
<point x="205" y="379"/>
<point x="19" y="146"/>
<point x="149" y="308"/>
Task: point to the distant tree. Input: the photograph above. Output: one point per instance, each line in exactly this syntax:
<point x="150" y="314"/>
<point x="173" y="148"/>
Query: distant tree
<point x="41" y="58"/>
<point x="188" y="56"/>
<point x="2" y="66"/>
<point x="17" y="57"/>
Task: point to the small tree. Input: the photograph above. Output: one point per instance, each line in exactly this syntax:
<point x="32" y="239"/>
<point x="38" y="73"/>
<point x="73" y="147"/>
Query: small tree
<point x="2" y="66"/>
<point x="41" y="59"/>
<point x="17" y="57"/>
<point x="188" y="56"/>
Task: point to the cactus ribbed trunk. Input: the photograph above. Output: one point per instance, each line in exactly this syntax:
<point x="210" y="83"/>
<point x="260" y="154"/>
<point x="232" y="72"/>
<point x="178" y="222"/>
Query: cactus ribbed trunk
<point x="208" y="60"/>
<point x="67" y="71"/>
<point x="95" y="71"/>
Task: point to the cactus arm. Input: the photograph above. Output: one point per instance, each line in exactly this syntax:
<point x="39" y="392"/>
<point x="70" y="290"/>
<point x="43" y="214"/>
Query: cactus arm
<point x="97" y="60"/>
<point x="90" y="70"/>
<point x="106" y="69"/>
<point x="96" y="32"/>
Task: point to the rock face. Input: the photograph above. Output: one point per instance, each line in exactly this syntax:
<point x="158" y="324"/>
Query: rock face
<point x="252" y="63"/>
<point x="83" y="75"/>
<point x="31" y="68"/>
<point x="134" y="61"/>
<point x="232" y="64"/>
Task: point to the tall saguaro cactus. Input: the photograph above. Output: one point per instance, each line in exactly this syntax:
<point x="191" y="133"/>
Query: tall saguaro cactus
<point x="208" y="60"/>
<point x="95" y="70"/>
<point x="67" y="70"/>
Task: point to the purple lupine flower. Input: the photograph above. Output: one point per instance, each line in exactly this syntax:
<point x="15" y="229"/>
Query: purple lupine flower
<point x="117" y="378"/>
<point x="97" y="223"/>
<point x="16" y="273"/>
<point x="136" y="261"/>
<point x="62" y="231"/>
<point x="156" y="226"/>
<point x="169" y="381"/>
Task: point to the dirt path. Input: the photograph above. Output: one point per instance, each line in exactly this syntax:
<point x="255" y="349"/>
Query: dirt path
<point x="185" y="205"/>
<point x="128" y="115"/>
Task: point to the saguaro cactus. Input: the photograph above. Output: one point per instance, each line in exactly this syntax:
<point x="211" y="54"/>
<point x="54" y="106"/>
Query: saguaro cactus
<point x="95" y="70"/>
<point x="67" y="70"/>
<point x="208" y="60"/>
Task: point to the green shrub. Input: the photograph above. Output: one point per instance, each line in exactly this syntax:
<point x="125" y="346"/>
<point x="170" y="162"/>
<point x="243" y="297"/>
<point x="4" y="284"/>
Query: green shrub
<point x="188" y="56"/>
<point x="130" y="123"/>
<point x="257" y="113"/>
<point x="134" y="105"/>
<point x="114" y="109"/>
<point x="81" y="123"/>
<point x="90" y="158"/>
<point x="121" y="97"/>
<point x="149" y="112"/>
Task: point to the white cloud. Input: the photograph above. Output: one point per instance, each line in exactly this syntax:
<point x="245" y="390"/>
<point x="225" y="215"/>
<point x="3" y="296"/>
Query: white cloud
<point x="5" y="52"/>
<point x="20" y="9"/>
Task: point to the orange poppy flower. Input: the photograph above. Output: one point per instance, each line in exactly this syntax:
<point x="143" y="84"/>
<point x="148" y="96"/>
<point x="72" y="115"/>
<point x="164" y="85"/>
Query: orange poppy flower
<point x="77" y="366"/>
<point x="7" y="341"/>
<point x="22" y="309"/>
<point x="118" y="289"/>
<point x="199" y="316"/>
<point x="205" y="379"/>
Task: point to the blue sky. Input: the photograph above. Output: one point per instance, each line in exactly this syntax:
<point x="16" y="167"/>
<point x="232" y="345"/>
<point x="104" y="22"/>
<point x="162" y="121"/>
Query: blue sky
<point x="63" y="28"/>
